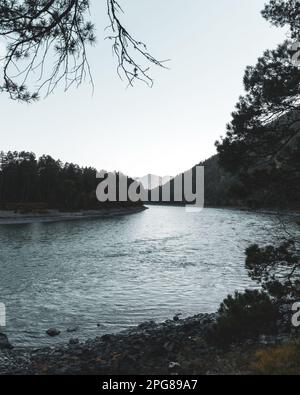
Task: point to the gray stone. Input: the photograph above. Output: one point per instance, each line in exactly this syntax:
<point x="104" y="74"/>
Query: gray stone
<point x="147" y="325"/>
<point x="72" y="329"/>
<point x="53" y="332"/>
<point x="73" y="342"/>
<point x="4" y="343"/>
<point x="174" y="365"/>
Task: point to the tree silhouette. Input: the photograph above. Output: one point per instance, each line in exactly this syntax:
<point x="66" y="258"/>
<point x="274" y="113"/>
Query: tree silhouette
<point x="262" y="148"/>
<point x="262" y="143"/>
<point x="27" y="183"/>
<point x="47" y="45"/>
<point x="284" y="12"/>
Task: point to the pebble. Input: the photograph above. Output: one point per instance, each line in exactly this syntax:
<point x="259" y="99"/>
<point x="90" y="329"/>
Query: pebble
<point x="72" y="329"/>
<point x="4" y="343"/>
<point x="52" y="332"/>
<point x="150" y="348"/>
<point x="173" y="365"/>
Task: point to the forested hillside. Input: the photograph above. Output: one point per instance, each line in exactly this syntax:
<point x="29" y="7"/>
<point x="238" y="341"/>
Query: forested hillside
<point x="218" y="184"/>
<point x="27" y="182"/>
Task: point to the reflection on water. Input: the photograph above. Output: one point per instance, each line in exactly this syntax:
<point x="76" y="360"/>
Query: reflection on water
<point x="120" y="271"/>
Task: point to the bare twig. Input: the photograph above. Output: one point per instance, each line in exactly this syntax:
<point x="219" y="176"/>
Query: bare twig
<point x="46" y="46"/>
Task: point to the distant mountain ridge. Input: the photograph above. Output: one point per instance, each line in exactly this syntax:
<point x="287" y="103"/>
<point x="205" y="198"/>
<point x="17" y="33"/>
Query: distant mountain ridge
<point x="152" y="181"/>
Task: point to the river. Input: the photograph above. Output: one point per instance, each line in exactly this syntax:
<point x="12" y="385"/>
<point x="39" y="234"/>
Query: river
<point x="105" y="275"/>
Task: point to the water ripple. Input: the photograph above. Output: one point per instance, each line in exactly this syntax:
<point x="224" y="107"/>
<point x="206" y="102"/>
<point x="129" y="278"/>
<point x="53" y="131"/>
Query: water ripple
<point x="108" y="274"/>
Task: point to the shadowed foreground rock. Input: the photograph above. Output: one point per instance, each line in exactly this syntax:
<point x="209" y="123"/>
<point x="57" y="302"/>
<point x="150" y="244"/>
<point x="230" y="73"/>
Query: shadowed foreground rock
<point x="52" y="332"/>
<point x="172" y="347"/>
<point x="4" y="343"/>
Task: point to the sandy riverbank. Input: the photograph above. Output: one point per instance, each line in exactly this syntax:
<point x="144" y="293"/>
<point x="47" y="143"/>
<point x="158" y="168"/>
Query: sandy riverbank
<point x="12" y="218"/>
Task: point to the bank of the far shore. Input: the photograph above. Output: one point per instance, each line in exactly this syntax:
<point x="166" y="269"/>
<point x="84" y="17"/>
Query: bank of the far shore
<point x="10" y="217"/>
<point x="173" y="347"/>
<point x="263" y="210"/>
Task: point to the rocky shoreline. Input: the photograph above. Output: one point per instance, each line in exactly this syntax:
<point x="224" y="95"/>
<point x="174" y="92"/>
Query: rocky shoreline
<point x="177" y="346"/>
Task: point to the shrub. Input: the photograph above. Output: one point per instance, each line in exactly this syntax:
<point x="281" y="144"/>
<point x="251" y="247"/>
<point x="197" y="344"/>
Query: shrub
<point x="281" y="360"/>
<point x="244" y="316"/>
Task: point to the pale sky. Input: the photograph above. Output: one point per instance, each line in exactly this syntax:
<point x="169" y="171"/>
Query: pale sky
<point x="163" y="130"/>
